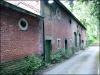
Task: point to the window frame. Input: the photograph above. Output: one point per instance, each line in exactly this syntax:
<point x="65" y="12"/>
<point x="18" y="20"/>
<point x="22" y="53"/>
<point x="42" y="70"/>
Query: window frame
<point x="20" y="26"/>
<point x="58" y="43"/>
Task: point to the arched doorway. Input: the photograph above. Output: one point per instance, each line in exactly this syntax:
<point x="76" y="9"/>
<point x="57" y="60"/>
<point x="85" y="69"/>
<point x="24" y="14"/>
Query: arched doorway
<point x="79" y="40"/>
<point x="75" y="39"/>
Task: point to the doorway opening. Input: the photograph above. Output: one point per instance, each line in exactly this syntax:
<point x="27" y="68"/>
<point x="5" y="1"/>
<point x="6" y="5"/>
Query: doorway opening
<point x="82" y="44"/>
<point x="75" y="39"/>
<point x="66" y="46"/>
<point x="79" y="40"/>
<point x="48" y="48"/>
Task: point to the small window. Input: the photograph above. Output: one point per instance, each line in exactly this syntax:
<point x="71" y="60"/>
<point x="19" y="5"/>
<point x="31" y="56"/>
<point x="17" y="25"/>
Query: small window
<point x="82" y="41"/>
<point x="70" y="21"/>
<point x="58" y="43"/>
<point x="23" y="24"/>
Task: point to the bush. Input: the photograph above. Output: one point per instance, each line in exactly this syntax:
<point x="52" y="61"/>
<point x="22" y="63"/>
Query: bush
<point x="58" y="56"/>
<point x="34" y="63"/>
<point x="25" y="66"/>
<point x="69" y="52"/>
<point x="61" y="54"/>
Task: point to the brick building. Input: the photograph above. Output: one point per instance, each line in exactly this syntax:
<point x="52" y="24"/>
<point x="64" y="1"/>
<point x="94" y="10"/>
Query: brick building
<point x="62" y="29"/>
<point x="21" y="32"/>
<point x="24" y="33"/>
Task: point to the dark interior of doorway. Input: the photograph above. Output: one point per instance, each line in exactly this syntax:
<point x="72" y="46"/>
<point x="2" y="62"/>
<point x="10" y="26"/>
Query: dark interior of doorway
<point x="48" y="48"/>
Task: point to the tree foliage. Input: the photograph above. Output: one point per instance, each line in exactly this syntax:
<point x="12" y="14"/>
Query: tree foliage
<point x="87" y="11"/>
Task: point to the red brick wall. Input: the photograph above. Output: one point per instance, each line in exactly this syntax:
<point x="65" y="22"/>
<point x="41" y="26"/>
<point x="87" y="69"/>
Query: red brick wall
<point x="16" y="43"/>
<point x="83" y="36"/>
<point x="57" y="25"/>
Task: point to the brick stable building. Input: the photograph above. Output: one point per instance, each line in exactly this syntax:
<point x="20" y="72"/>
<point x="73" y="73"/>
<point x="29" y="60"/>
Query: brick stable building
<point x="21" y="32"/>
<point x="24" y="33"/>
<point x="62" y="29"/>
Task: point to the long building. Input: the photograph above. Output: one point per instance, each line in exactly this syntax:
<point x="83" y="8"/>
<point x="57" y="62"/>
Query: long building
<point x="24" y="33"/>
<point x="62" y="29"/>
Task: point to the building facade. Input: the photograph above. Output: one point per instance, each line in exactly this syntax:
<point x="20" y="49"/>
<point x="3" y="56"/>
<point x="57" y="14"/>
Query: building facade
<point x="24" y="33"/>
<point x="62" y="29"/>
<point x="21" y="33"/>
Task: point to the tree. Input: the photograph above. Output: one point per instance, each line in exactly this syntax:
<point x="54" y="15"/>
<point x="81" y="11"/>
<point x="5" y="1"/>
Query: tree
<point x="87" y="11"/>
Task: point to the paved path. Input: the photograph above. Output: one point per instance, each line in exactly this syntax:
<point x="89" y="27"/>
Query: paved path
<point x="82" y="63"/>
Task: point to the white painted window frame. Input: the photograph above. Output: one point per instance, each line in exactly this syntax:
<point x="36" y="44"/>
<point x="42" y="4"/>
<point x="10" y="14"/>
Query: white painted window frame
<point x="58" y="39"/>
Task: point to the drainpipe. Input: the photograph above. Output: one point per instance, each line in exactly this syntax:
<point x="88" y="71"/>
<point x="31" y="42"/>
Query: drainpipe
<point x="42" y="14"/>
<point x="43" y="42"/>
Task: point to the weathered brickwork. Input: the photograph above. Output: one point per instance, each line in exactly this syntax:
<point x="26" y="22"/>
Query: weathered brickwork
<point x="60" y="25"/>
<point x="16" y="43"/>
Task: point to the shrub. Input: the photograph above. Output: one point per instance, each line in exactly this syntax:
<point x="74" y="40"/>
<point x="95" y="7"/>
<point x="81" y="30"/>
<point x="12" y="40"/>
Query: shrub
<point x="69" y="52"/>
<point x="61" y="54"/>
<point x="33" y="64"/>
<point x="25" y="66"/>
<point x="58" y="56"/>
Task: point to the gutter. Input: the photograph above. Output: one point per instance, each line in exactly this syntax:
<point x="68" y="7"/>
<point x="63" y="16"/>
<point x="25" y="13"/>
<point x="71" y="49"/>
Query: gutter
<point x="43" y="41"/>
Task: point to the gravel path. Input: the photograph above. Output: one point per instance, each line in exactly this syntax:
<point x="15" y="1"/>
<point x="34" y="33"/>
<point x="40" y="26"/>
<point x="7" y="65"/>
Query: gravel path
<point x="83" y="63"/>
